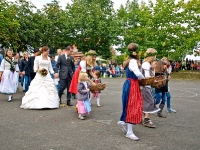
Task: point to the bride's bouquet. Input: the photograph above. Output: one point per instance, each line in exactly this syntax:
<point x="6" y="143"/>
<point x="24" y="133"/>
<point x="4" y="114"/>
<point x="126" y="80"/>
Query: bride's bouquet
<point x="43" y="72"/>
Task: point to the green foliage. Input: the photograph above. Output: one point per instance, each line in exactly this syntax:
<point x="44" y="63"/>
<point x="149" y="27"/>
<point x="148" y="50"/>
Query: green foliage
<point x="94" y="24"/>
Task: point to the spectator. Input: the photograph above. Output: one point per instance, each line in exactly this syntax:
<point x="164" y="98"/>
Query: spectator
<point x="113" y="72"/>
<point x="1" y="58"/>
<point x="104" y="70"/>
<point x="117" y="71"/>
<point x="59" y="52"/>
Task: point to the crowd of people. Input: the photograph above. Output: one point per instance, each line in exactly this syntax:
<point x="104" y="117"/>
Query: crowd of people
<point x="184" y="65"/>
<point x="44" y="78"/>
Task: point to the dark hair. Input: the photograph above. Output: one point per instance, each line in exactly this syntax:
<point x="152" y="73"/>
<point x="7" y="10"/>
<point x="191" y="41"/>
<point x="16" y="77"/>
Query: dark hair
<point x="68" y="48"/>
<point x="15" y="53"/>
<point x="132" y="47"/>
<point x="7" y="51"/>
<point x="97" y="73"/>
<point x="52" y="55"/>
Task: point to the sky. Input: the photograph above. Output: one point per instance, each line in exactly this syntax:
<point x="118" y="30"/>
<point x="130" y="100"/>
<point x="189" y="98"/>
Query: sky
<point x="39" y="3"/>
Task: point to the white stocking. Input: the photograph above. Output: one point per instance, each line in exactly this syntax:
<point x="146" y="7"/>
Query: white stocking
<point x="98" y="101"/>
<point x="129" y="128"/>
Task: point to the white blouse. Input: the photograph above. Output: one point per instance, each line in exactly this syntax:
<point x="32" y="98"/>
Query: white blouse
<point x="146" y="67"/>
<point x="6" y="66"/>
<point x="133" y="66"/>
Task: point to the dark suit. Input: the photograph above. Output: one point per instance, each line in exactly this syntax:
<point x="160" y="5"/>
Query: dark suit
<point x="66" y="70"/>
<point x="29" y="66"/>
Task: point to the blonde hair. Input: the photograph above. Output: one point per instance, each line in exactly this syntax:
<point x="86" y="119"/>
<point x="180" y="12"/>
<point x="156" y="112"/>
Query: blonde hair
<point x="165" y="60"/>
<point x="82" y="76"/>
<point x="24" y="54"/>
<point x="151" y="57"/>
<point x="90" y="62"/>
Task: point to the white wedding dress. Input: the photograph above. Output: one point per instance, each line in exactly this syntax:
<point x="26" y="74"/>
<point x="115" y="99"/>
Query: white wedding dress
<point x="42" y="91"/>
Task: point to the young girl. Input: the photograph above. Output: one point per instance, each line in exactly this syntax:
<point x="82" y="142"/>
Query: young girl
<point x="131" y="94"/>
<point x="96" y="94"/>
<point x="149" y="106"/>
<point x="83" y="96"/>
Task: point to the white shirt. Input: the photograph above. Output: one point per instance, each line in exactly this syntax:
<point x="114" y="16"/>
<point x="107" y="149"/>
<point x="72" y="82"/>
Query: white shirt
<point x="83" y="65"/>
<point x="133" y="66"/>
<point x="146" y="67"/>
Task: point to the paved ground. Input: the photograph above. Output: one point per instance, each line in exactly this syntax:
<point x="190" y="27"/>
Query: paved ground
<point x="60" y="129"/>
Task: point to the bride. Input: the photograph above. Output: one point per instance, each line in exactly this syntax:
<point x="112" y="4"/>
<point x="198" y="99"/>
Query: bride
<point x="42" y="92"/>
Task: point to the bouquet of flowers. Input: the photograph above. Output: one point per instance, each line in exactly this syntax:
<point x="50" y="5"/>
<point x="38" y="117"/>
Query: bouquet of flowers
<point x="43" y="72"/>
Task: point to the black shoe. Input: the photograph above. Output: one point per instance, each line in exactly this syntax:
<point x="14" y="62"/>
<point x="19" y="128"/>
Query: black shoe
<point x="69" y="104"/>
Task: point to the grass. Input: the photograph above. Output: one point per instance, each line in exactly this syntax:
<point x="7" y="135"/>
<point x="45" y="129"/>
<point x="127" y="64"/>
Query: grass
<point x="186" y="75"/>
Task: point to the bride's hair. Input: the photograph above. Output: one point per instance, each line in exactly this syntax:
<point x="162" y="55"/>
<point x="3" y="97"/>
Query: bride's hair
<point x="44" y="49"/>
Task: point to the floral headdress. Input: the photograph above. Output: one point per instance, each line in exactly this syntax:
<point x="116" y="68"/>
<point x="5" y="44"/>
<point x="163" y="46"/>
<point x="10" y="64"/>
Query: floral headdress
<point x="91" y="53"/>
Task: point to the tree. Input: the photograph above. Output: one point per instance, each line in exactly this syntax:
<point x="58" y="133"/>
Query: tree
<point x="92" y="25"/>
<point x="8" y="25"/>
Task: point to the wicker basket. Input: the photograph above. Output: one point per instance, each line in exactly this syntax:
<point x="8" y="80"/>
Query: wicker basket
<point x="159" y="82"/>
<point x="146" y="81"/>
<point x="97" y="87"/>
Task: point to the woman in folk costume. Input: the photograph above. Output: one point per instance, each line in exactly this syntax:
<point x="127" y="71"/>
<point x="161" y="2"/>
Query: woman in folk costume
<point x="42" y="92"/>
<point x="85" y="65"/>
<point x="148" y="99"/>
<point x="8" y="80"/>
<point x="131" y="94"/>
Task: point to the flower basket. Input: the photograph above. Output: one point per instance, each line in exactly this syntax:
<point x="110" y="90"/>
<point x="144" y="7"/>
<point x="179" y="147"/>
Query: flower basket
<point x="43" y="72"/>
<point x="159" y="82"/>
<point x="97" y="87"/>
<point x="147" y="81"/>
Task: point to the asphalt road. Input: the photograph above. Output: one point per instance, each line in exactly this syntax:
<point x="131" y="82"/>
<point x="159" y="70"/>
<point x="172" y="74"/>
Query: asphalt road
<point x="60" y="129"/>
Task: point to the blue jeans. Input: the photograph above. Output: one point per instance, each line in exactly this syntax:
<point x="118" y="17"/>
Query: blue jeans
<point x="168" y="95"/>
<point x="159" y="96"/>
<point x="25" y="82"/>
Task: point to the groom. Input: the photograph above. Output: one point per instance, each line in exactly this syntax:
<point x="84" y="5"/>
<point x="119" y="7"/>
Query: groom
<point x="65" y="64"/>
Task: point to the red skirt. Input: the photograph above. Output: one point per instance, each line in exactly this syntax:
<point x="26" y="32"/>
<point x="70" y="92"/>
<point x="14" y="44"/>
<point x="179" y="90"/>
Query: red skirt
<point x="134" y="106"/>
<point x="74" y="83"/>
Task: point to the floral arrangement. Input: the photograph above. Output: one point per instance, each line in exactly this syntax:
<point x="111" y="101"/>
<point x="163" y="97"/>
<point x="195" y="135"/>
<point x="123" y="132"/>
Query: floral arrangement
<point x="43" y="72"/>
<point x="12" y="63"/>
<point x="91" y="53"/>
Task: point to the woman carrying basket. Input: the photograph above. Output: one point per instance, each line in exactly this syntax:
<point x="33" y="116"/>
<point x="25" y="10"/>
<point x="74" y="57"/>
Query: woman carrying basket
<point x="131" y="94"/>
<point x="148" y="99"/>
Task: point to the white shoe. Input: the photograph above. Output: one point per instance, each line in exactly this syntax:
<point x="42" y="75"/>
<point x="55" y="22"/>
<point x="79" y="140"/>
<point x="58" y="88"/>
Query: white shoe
<point x="122" y="125"/>
<point x="98" y="105"/>
<point x="10" y="99"/>
<point x="132" y="137"/>
<point x="81" y="117"/>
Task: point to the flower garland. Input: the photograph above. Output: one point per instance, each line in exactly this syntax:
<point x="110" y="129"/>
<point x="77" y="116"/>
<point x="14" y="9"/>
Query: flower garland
<point x="43" y="72"/>
<point x="91" y="53"/>
<point x="12" y="63"/>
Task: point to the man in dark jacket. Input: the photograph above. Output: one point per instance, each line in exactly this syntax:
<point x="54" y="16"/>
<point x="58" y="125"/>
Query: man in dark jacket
<point x="66" y="64"/>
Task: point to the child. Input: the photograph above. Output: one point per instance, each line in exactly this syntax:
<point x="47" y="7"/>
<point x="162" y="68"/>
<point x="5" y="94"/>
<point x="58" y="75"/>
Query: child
<point x="96" y="94"/>
<point x="83" y="96"/>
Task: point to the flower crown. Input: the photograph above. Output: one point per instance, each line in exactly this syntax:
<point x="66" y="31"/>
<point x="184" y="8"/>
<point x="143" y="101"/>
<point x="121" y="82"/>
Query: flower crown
<point x="93" y="53"/>
<point x="151" y="54"/>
